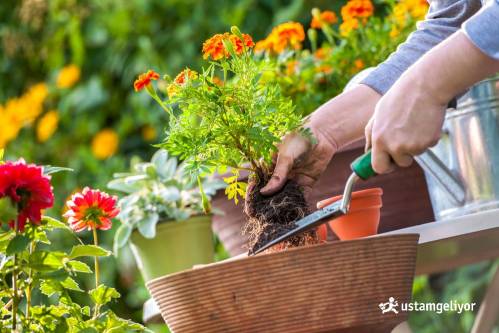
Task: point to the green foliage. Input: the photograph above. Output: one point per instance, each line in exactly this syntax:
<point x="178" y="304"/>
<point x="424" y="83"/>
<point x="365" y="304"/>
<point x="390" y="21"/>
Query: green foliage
<point x="159" y="190"/>
<point x="28" y="258"/>
<point x="233" y="124"/>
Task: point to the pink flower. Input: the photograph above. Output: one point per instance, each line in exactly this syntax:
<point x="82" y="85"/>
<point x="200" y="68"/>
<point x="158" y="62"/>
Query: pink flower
<point x="91" y="209"/>
<point x="28" y="188"/>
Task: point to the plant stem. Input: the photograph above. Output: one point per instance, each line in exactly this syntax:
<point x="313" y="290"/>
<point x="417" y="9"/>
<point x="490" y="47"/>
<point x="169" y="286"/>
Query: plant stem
<point x="15" y="300"/>
<point x="96" y="268"/>
<point x="30" y="276"/>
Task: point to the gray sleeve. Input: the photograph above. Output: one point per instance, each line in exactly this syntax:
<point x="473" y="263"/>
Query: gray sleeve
<point x="483" y="29"/>
<point x="443" y="19"/>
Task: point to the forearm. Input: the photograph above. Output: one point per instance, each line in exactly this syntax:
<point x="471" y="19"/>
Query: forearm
<point x="342" y="120"/>
<point x="443" y="19"/>
<point x="451" y="68"/>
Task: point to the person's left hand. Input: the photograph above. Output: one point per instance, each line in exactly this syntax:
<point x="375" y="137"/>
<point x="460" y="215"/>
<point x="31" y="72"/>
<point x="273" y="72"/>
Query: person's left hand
<point x="407" y="120"/>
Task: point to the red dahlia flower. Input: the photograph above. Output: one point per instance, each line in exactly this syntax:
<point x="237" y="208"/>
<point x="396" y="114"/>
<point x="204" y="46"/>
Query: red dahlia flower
<point x="28" y="188"/>
<point x="91" y="209"/>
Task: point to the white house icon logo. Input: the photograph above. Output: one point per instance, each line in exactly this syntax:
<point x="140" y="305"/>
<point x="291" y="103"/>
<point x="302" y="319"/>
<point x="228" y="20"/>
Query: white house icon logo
<point x="390" y="306"/>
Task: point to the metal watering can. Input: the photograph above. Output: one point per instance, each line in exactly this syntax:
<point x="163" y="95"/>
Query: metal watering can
<point x="470" y="149"/>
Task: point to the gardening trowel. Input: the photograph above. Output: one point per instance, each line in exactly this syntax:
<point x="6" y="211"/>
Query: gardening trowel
<point x="362" y="169"/>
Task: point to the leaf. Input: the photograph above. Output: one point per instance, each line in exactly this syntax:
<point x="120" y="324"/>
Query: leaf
<point x="49" y="169"/>
<point x="55" y="224"/>
<point x="17" y="244"/>
<point x="71" y="284"/>
<point x="51" y="287"/>
<point x="121" y="237"/>
<point x="103" y="294"/>
<point x="78" y="266"/>
<point x="147" y="227"/>
<point x="46" y="260"/>
<point x="8" y="211"/>
<point x="88" y="251"/>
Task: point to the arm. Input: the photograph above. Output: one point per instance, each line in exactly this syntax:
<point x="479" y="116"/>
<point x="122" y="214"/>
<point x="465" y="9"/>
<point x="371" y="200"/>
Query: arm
<point x="443" y="19"/>
<point x="408" y="118"/>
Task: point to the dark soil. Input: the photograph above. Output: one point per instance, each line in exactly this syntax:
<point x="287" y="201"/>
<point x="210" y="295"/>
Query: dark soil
<point x="271" y="216"/>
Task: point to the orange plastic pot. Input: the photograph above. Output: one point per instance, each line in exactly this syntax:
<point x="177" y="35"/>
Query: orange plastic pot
<point x="362" y="219"/>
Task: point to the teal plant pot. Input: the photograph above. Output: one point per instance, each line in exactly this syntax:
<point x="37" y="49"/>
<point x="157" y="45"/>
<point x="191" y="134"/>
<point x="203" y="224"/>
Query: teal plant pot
<point x="178" y="246"/>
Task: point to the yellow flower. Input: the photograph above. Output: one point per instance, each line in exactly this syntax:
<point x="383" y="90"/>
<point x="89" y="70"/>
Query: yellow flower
<point x="47" y="125"/>
<point x="9" y="127"/>
<point x="105" y="144"/>
<point x="149" y="133"/>
<point x="347" y="26"/>
<point x="68" y="76"/>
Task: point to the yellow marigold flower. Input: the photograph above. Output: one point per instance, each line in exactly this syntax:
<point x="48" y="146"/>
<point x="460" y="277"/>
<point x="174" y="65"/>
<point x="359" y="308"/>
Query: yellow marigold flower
<point x="394" y="32"/>
<point x="105" y="144"/>
<point x="68" y="76"/>
<point x="172" y="89"/>
<point x="283" y="36"/>
<point x="326" y="17"/>
<point x="347" y="26"/>
<point x="149" y="133"/>
<point x="355" y="9"/>
<point x="417" y="8"/>
<point x="47" y="125"/>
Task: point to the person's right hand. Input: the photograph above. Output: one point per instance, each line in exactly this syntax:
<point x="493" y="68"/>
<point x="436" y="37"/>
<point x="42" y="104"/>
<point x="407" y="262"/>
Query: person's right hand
<point x="334" y="125"/>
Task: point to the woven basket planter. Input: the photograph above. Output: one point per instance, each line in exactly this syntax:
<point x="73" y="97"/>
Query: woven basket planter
<point x="332" y="287"/>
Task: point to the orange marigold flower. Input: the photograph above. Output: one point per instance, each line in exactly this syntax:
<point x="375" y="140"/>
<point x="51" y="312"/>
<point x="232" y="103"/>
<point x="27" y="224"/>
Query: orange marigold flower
<point x="327" y="16"/>
<point x="240" y="44"/>
<point x="324" y="69"/>
<point x="186" y="74"/>
<point x="145" y="79"/>
<point x="291" y="67"/>
<point x="289" y="34"/>
<point x="218" y="81"/>
<point x="357" y="9"/>
<point x="215" y="48"/>
<point x="347" y="27"/>
<point x="359" y="64"/>
<point x="286" y="35"/>
<point x="91" y="209"/>
<point x="322" y="53"/>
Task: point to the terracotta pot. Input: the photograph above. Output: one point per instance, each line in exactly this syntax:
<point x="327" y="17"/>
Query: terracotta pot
<point x="362" y="219"/>
<point x="322" y="288"/>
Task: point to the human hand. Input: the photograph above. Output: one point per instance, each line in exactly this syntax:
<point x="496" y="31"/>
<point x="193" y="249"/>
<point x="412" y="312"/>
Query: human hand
<point x="407" y="120"/>
<point x="334" y="125"/>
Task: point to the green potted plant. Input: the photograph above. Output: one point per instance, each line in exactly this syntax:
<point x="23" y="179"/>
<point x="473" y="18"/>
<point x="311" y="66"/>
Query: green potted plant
<point x="164" y="216"/>
<point x="230" y="118"/>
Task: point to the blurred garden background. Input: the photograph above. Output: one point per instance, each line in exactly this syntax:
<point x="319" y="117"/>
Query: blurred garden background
<point x="67" y="69"/>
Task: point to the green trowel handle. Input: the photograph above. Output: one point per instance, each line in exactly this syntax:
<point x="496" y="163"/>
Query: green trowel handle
<point x="362" y="166"/>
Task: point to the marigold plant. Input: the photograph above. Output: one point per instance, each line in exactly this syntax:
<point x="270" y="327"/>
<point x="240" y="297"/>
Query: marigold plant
<point x="235" y="123"/>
